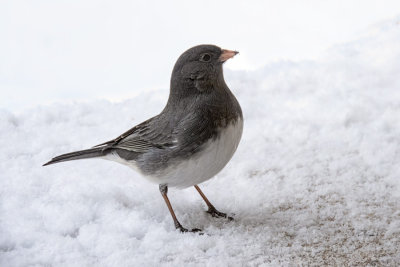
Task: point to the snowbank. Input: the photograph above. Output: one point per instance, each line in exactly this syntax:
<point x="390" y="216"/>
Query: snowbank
<point x="316" y="178"/>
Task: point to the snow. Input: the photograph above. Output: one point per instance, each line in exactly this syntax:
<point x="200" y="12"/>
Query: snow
<point x="315" y="180"/>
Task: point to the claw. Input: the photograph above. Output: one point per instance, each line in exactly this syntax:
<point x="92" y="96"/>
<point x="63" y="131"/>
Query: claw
<point x="217" y="214"/>
<point x="184" y="230"/>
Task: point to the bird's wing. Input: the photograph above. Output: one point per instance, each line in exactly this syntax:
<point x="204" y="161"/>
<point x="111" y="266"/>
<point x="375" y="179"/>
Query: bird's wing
<point x="186" y="133"/>
<point x="140" y="138"/>
<point x="122" y="136"/>
<point x="193" y="130"/>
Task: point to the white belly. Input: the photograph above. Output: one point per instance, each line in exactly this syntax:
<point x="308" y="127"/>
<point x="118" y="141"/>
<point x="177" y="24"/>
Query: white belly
<point x="206" y="163"/>
<point x="200" y="167"/>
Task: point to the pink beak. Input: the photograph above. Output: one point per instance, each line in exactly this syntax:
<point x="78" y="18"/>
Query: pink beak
<point x="227" y="54"/>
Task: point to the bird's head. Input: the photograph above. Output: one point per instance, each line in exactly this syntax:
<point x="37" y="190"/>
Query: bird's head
<point x="199" y="69"/>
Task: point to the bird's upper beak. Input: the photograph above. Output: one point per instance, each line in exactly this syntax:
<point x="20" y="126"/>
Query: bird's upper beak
<point x="227" y="54"/>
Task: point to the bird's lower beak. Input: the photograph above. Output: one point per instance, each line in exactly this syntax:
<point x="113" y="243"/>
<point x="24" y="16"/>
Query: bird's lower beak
<point x="227" y="54"/>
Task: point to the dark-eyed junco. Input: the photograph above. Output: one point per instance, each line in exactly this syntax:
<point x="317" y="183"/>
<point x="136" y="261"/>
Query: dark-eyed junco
<point x="192" y="139"/>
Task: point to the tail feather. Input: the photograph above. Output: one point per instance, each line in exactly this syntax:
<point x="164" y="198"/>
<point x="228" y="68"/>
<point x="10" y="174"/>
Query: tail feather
<point x="82" y="154"/>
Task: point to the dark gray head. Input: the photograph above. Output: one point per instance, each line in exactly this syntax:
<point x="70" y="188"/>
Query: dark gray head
<point x="199" y="71"/>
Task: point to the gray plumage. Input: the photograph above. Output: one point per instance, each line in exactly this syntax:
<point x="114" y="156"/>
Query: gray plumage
<point x="194" y="136"/>
<point x="199" y="104"/>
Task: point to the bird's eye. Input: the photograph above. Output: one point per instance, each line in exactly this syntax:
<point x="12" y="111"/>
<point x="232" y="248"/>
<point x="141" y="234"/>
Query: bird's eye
<point x="205" y="57"/>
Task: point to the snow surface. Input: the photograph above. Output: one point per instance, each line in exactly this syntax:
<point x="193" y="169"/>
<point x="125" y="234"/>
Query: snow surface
<point x="315" y="181"/>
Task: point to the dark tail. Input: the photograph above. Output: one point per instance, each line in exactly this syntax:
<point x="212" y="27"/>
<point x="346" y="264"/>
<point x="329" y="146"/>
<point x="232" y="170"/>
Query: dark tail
<point x="82" y="154"/>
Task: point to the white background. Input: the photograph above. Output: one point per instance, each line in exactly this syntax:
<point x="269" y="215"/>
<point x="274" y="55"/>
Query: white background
<point x="81" y="50"/>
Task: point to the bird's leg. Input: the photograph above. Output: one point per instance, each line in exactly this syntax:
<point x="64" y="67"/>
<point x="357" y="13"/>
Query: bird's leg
<point x="211" y="209"/>
<point x="164" y="190"/>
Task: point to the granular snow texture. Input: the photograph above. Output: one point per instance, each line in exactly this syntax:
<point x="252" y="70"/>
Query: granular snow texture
<point x="315" y="181"/>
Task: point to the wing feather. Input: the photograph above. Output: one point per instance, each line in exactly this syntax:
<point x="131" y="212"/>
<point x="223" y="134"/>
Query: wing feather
<point x="140" y="138"/>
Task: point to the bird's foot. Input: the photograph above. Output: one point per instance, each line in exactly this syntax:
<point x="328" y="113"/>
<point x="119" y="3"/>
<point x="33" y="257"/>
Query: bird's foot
<point x="217" y="214"/>
<point x="184" y="230"/>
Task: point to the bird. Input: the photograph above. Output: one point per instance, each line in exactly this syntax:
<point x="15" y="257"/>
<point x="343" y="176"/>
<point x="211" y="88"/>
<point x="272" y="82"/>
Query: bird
<point x="191" y="140"/>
